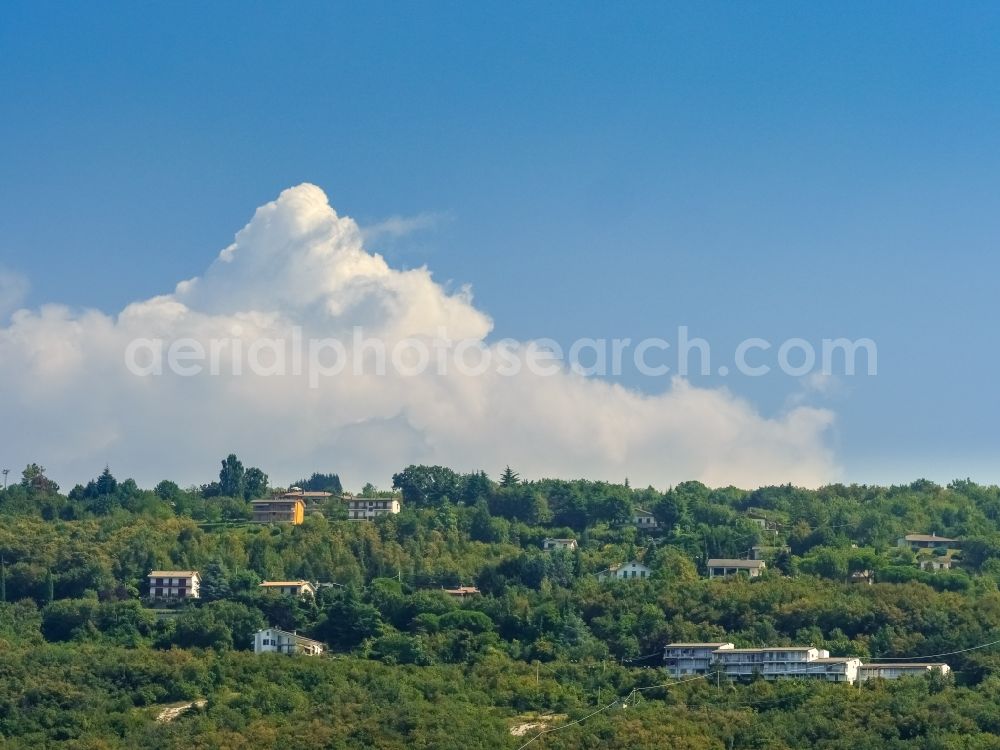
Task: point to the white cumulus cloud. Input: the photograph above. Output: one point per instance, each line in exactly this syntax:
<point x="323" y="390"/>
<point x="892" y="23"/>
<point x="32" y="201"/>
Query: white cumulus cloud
<point x="400" y="226"/>
<point x="298" y="269"/>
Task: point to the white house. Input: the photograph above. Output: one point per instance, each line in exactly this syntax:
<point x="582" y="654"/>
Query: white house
<point x="720" y="568"/>
<point x="643" y="519"/>
<point x="682" y="659"/>
<point x="275" y="641"/>
<point x="370" y="508"/>
<point x="290" y="588"/>
<point x="935" y="564"/>
<point x="551" y="544"/>
<point x="174" y="584"/>
<point x="625" y="571"/>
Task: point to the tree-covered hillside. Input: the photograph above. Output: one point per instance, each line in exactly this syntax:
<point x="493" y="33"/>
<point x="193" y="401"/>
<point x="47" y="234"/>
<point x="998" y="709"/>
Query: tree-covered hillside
<point x="87" y="661"/>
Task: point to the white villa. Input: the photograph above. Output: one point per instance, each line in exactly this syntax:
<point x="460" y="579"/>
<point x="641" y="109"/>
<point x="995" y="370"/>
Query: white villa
<point x="370" y="508"/>
<point x="625" y="571"/>
<point x="275" y="641"/>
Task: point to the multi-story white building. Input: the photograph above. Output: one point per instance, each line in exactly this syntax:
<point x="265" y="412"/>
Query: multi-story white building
<point x="895" y="670"/>
<point x="275" y="641"/>
<point x="720" y="568"/>
<point x="626" y="571"/>
<point x="787" y="661"/>
<point x="551" y="544"/>
<point x="369" y="508"/>
<point x="174" y="584"/>
<point x="683" y="659"/>
<point x="290" y="588"/>
<point x="784" y="662"/>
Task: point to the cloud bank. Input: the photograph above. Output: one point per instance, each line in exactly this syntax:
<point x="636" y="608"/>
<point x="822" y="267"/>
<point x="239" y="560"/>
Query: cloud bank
<point x="74" y="406"/>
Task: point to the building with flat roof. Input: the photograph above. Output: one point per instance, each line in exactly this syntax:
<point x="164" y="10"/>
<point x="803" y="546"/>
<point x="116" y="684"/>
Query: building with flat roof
<point x="917" y="542"/>
<point x="895" y="670"/>
<point x="783" y="662"/>
<point x="720" y="567"/>
<point x="683" y="659"/>
<point x="282" y="509"/>
<point x="370" y="508"/>
<point x="786" y="662"/>
<point x="307" y="495"/>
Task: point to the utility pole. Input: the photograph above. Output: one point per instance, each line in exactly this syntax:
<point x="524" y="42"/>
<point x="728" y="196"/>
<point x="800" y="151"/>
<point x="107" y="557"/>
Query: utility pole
<point x="5" y="473"/>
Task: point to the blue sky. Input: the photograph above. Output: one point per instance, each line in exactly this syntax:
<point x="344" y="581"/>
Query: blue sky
<point x="770" y="170"/>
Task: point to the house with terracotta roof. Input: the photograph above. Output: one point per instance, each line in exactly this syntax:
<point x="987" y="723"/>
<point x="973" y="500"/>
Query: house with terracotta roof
<point x="290" y="588"/>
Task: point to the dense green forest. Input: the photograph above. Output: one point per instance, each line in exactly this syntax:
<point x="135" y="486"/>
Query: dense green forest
<point x="87" y="662"/>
